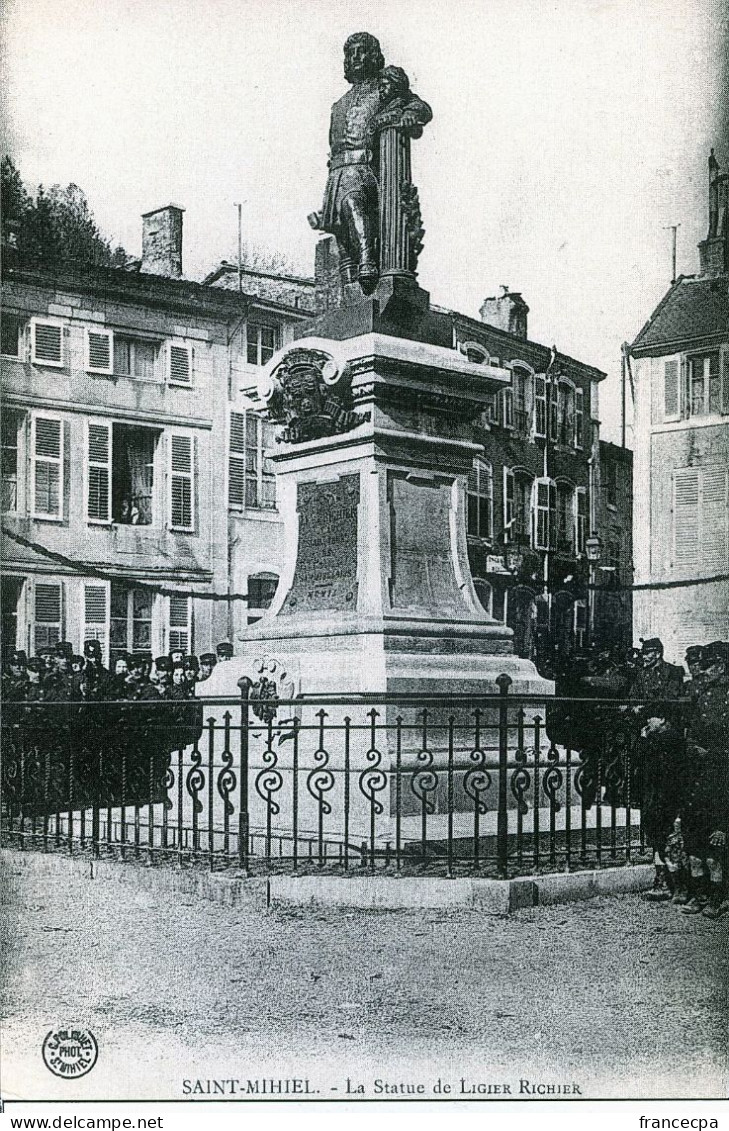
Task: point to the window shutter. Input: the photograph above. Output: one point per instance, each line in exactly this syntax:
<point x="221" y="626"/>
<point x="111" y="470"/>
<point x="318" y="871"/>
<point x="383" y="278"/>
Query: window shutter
<point x="98" y="502"/>
<point x="553" y="391"/>
<point x="47" y="614"/>
<point x="95" y="615"/>
<point x="579" y="418"/>
<point x="686" y="544"/>
<point x="237" y="460"/>
<point x="180" y="364"/>
<point x="507" y="402"/>
<point x="714" y="519"/>
<point x="580" y="520"/>
<point x="508" y="502"/>
<point x="181" y="482"/>
<point x="99" y="351"/>
<point x="47" y="343"/>
<point x="671" y="389"/>
<point x="725" y="381"/>
<point x="47" y="458"/>
<point x="179" y="624"/>
<point x="540" y="407"/>
<point x="544" y="512"/>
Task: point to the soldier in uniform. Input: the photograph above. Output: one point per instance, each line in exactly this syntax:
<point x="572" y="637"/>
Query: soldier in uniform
<point x="224" y="651"/>
<point x="96" y="677"/>
<point x="659" y="753"/>
<point x="35" y="670"/>
<point x="15" y="679"/>
<point x="706" y="808"/>
<point x="695" y="665"/>
<point x="208" y="660"/>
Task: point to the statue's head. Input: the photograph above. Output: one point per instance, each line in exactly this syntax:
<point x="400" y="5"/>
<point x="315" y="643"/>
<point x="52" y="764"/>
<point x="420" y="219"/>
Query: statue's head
<point x="363" y="58"/>
<point x="392" y="83"/>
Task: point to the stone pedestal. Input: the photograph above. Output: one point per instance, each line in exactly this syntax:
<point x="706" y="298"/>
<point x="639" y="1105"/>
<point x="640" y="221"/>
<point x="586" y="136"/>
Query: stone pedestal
<point x="376" y="593"/>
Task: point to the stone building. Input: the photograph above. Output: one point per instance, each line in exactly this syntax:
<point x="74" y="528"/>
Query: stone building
<point x="612" y="598"/>
<point x="681" y="440"/>
<point x="135" y="486"/>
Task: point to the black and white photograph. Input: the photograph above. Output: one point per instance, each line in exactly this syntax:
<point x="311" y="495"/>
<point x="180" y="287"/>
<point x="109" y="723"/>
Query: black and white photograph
<point x="365" y="553"/>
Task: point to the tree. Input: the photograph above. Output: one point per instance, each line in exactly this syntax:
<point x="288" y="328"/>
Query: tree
<point x="56" y="227"/>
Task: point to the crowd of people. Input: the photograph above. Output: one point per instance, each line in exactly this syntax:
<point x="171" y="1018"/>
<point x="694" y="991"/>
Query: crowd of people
<point x="57" y="674"/>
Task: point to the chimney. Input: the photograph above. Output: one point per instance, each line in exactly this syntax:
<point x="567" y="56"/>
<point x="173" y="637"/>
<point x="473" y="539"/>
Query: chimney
<point x="162" y="241"/>
<point x="714" y="250"/>
<point x="506" y="311"/>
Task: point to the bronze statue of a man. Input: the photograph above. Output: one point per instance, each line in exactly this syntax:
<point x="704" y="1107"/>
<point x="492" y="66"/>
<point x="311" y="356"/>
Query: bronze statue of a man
<point x="351" y="199"/>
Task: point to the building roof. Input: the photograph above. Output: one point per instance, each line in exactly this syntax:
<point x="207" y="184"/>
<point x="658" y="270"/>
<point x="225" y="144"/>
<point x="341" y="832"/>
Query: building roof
<point x="293" y="291"/>
<point x="695" y="308"/>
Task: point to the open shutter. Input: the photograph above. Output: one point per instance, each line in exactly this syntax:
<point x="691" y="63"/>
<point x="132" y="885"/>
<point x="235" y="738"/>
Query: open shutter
<point x="98" y="499"/>
<point x="47" y="459"/>
<point x="179" y="624"/>
<point x="671" y="375"/>
<point x="544" y="512"/>
<point x="179" y="364"/>
<point x="724" y="380"/>
<point x="507" y="407"/>
<point x="508" y="503"/>
<point x="540" y="407"/>
<point x="580" y="520"/>
<point x="181" y="482"/>
<point x="579" y="418"/>
<point x="237" y="460"/>
<point x="47" y="614"/>
<point x="686" y="540"/>
<point x="99" y="351"/>
<point x="714" y="519"/>
<point x="47" y="343"/>
<point x="96" y="615"/>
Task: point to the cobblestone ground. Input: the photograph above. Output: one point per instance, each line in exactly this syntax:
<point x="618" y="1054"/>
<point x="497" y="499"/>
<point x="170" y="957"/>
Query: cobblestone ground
<point x="613" y="995"/>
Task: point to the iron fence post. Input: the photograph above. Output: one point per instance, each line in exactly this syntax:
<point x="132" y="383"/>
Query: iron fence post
<point x="244" y="819"/>
<point x="502" y="845"/>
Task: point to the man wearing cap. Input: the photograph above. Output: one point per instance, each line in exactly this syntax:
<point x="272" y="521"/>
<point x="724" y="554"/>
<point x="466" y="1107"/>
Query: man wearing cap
<point x="695" y="665"/>
<point x="34" y="689"/>
<point x="208" y="660"/>
<point x="163" y="675"/>
<point x="224" y="651"/>
<point x="96" y="677"/>
<point x="706" y="808"/>
<point x="15" y="679"/>
<point x="191" y="666"/>
<point x="660" y="750"/>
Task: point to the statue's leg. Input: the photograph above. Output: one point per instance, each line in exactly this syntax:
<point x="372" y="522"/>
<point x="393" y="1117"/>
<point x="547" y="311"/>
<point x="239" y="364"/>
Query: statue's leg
<point x="347" y="265"/>
<point x="361" y="220"/>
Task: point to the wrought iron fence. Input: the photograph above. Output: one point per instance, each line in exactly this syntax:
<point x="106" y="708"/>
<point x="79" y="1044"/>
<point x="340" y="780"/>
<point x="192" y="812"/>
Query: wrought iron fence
<point x="496" y="785"/>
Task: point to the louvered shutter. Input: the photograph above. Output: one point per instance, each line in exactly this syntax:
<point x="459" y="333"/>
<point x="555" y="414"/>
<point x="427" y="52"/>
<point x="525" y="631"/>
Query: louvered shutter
<point x="47" y="339"/>
<point x="237" y="460"/>
<point x="179" y="624"/>
<point x="181" y="482"/>
<point x="714" y="519"/>
<point x="98" y="502"/>
<point x="725" y="381"/>
<point x="47" y="459"/>
<point x="579" y="418"/>
<point x="508" y="503"/>
<point x="545" y="512"/>
<point x="47" y="614"/>
<point x="670" y="389"/>
<point x="99" y="351"/>
<point x="180" y="364"/>
<point x="540" y="407"/>
<point x="96" y="615"/>
<point x="686" y="536"/>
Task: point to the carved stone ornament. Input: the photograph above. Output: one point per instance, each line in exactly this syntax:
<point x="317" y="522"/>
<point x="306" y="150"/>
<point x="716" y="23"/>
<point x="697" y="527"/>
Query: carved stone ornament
<point x="309" y="396"/>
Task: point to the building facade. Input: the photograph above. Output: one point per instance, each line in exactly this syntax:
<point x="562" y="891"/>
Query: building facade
<point x="681" y="429"/>
<point x="612" y="596"/>
<point x="136" y="495"/>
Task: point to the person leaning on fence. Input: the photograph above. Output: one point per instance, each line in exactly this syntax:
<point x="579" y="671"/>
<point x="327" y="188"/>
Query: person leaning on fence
<point x="660" y="756"/>
<point x="706" y="804"/>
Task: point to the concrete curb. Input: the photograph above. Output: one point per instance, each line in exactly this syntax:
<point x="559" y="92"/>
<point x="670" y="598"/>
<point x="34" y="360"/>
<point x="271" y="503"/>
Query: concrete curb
<point x="375" y="893"/>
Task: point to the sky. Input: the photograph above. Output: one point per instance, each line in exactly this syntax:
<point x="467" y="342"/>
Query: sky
<point x="567" y="135"/>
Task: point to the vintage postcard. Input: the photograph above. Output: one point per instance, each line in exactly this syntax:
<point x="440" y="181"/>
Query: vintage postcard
<point x="365" y="551"/>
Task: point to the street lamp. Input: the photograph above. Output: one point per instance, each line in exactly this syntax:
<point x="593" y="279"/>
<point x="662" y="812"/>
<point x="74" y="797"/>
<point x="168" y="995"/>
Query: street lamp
<point x="593" y="549"/>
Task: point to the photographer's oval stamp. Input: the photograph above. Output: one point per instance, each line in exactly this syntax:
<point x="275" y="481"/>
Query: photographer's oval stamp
<point x="70" y="1052"/>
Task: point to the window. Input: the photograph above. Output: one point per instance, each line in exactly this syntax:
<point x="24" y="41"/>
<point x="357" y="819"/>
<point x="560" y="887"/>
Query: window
<point x="46" y="445"/>
<point x="671" y="406"/>
<point x="580" y="623"/>
<point x="251" y="479"/>
<point x="580" y="520"/>
<point x="522" y="509"/>
<point x="47" y="615"/>
<point x="507" y="407"/>
<point x="95" y="626"/>
<point x="12" y="329"/>
<point x="135" y="357"/>
<point x="565" y="517"/>
<point x="46" y="343"/>
<point x="261" y="342"/>
<point x="491" y="415"/>
<point x="131" y="620"/>
<point x="540" y="407"/>
<point x="704" y="384"/>
<point x="11" y="593"/>
<point x="99" y="351"/>
<point x="11" y="424"/>
<point x="566" y="414"/>
<point x="520" y="380"/>
<point x="261" y="592"/>
<point x="132" y="474"/>
<point x="179" y="631"/>
<point x="700" y="518"/>
<point x="179" y="363"/>
<point x="181" y="482"/>
<point x="554" y="411"/>
<point x="481" y="500"/>
<point x="544" y="513"/>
